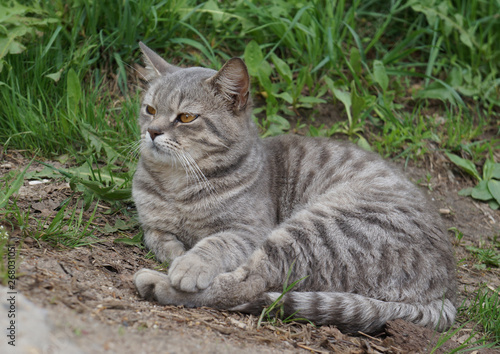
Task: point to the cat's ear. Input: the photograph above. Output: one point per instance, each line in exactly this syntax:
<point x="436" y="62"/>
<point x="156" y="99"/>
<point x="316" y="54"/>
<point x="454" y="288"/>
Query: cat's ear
<point x="155" y="65"/>
<point x="233" y="82"/>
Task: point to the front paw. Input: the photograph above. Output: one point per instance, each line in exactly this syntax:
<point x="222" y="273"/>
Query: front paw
<point x="153" y="286"/>
<point x="190" y="273"/>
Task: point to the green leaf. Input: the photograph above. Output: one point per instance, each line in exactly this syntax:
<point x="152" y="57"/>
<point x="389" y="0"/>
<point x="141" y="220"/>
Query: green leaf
<point x="120" y="225"/>
<point x="201" y="46"/>
<point x="436" y="90"/>
<point x="358" y="103"/>
<point x="119" y="194"/>
<point x="344" y="97"/>
<point x="355" y="61"/>
<point x="46" y="172"/>
<point x="74" y="90"/>
<point x="466" y="192"/>
<point x="96" y="187"/>
<point x="455" y="77"/>
<point x="214" y="9"/>
<point x="494" y="189"/>
<point x="279" y="120"/>
<point x="10" y="46"/>
<point x="496" y="171"/>
<point x="466" y="37"/>
<point x="285" y="96"/>
<point x="488" y="170"/>
<point x="95" y="140"/>
<point x="278" y="125"/>
<point x="282" y="68"/>
<point x="493" y="204"/>
<point x="14" y="187"/>
<point x="310" y="99"/>
<point x="135" y="241"/>
<point x="55" y="76"/>
<point x="265" y="82"/>
<point x="363" y="143"/>
<point x="466" y="165"/>
<point x="253" y="58"/>
<point x="380" y="75"/>
<point x="481" y="191"/>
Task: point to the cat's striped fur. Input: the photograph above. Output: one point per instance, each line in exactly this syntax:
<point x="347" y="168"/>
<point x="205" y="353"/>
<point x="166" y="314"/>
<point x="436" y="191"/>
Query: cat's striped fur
<point x="234" y="213"/>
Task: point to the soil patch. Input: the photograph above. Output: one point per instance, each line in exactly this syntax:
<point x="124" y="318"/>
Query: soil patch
<point x="91" y="302"/>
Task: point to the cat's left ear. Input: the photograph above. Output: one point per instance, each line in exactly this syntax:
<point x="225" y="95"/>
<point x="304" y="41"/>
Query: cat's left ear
<point x="155" y="65"/>
<point x="233" y="82"/>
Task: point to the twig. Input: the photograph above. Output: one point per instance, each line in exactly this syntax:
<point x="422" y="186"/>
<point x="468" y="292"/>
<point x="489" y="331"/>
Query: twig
<point x="312" y="349"/>
<point x="368" y="336"/>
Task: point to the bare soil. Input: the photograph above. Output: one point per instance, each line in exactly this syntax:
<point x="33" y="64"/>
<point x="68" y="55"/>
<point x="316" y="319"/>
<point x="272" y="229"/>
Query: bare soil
<point x="91" y="301"/>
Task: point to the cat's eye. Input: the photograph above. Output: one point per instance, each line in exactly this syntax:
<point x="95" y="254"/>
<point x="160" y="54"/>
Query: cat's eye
<point x="186" y="117"/>
<point x="150" y="110"/>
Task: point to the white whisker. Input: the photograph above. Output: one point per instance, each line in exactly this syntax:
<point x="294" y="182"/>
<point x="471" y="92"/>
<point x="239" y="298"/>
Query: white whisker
<point x="137" y="71"/>
<point x="133" y="149"/>
<point x="206" y="183"/>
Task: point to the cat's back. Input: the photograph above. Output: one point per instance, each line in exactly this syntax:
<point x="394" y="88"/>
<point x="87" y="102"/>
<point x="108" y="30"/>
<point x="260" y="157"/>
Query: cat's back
<point x="305" y="167"/>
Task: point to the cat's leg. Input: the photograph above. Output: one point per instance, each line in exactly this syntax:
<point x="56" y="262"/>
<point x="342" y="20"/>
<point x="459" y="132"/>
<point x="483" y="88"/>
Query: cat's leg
<point x="164" y="245"/>
<point x="219" y="253"/>
<point x="244" y="284"/>
<point x="155" y="286"/>
<point x="227" y="290"/>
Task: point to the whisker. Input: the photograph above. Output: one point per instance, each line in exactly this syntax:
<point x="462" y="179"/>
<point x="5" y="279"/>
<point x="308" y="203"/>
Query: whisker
<point x="213" y="193"/>
<point x="185" y="166"/>
<point x="133" y="149"/>
<point x="137" y="71"/>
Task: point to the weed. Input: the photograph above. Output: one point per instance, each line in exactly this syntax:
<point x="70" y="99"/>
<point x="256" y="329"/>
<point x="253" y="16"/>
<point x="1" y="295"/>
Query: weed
<point x="12" y="188"/>
<point x="482" y="308"/>
<point x="486" y="255"/>
<point x="18" y="24"/>
<point x="485" y="309"/>
<point x="458" y="234"/>
<point x="275" y="310"/>
<point x="482" y="312"/>
<point x="68" y="229"/>
<point x="488" y="188"/>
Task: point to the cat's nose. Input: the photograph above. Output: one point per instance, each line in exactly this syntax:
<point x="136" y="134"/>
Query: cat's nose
<point x="153" y="133"/>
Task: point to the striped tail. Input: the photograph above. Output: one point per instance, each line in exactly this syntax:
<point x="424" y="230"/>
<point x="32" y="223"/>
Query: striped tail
<point x="352" y="313"/>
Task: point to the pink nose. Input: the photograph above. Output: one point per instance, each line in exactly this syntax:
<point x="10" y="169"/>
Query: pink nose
<point x="153" y="133"/>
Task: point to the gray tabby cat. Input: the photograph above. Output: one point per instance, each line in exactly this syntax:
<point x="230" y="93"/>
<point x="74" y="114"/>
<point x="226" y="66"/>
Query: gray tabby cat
<point x="233" y="213"/>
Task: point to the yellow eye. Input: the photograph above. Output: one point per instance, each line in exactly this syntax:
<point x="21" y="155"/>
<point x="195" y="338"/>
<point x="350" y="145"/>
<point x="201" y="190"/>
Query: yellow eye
<point x="150" y="110"/>
<point x="186" y="117"/>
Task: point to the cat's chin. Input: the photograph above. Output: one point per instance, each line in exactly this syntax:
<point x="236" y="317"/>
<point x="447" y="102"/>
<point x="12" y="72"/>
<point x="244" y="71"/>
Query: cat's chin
<point x="164" y="157"/>
<point x="157" y="155"/>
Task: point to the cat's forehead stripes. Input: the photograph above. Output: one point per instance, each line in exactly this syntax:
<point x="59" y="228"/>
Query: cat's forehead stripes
<point x="180" y="81"/>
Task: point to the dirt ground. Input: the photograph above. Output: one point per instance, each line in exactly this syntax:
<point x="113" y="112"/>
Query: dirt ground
<point x="91" y="301"/>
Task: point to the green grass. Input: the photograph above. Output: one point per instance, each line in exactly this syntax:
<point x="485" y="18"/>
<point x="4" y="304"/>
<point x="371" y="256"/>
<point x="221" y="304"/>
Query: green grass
<point x="485" y="310"/>
<point x="481" y="311"/>
<point x="299" y="56"/>
<point x="275" y="311"/>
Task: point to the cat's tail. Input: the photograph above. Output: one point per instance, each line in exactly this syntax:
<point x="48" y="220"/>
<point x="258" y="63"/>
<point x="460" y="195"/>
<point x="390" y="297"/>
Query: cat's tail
<point x="352" y="312"/>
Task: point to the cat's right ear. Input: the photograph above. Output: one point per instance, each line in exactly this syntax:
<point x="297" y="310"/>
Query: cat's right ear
<point x="233" y="82"/>
<point x="155" y="65"/>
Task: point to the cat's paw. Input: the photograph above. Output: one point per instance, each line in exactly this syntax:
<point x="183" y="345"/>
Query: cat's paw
<point x="190" y="273"/>
<point x="153" y="286"/>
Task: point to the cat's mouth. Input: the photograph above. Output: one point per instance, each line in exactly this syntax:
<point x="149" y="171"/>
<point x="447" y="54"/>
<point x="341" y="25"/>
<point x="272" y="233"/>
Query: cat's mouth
<point x="160" y="151"/>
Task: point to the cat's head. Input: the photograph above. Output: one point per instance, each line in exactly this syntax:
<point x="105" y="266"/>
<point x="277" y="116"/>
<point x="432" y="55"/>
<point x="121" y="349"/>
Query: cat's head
<point x="195" y="111"/>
